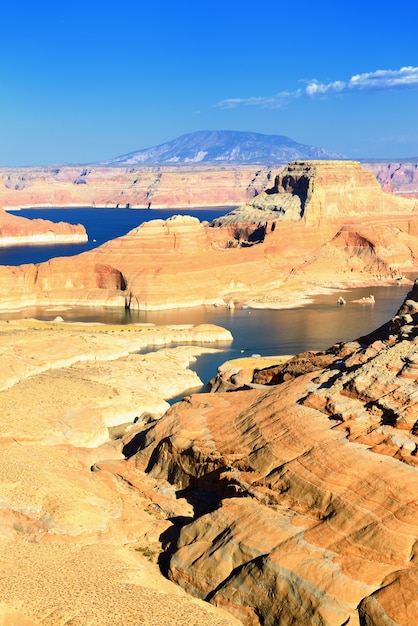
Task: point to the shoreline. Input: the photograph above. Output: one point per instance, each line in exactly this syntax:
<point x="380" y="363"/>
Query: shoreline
<point x="295" y="297"/>
<point x="308" y="296"/>
<point x="162" y="207"/>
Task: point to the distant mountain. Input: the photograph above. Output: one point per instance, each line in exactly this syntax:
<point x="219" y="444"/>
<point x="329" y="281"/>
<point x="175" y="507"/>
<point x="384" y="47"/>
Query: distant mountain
<point x="224" y="147"/>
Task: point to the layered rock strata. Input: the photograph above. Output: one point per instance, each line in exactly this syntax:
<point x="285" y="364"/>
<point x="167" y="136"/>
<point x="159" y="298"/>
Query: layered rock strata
<point x="264" y="254"/>
<point x="160" y="187"/>
<point x="400" y="178"/>
<point x="16" y="230"/>
<point x="304" y="492"/>
<point x="79" y="547"/>
<point x="140" y="187"/>
<point x="319" y="190"/>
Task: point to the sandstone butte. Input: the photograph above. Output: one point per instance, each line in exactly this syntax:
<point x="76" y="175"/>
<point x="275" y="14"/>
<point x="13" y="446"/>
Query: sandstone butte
<point x="322" y="224"/>
<point x="78" y="547"/>
<point x="303" y="484"/>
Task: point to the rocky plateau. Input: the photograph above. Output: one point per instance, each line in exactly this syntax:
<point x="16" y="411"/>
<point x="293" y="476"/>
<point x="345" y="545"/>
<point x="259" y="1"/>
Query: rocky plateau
<point x="155" y="186"/>
<point x="322" y="224"/>
<point x="163" y="186"/>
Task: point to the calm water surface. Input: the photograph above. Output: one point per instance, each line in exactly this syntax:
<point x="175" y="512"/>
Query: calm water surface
<point x="266" y="332"/>
<point x="101" y="225"/>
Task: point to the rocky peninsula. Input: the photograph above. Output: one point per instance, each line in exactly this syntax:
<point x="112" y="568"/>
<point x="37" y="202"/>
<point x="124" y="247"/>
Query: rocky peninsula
<point x="16" y="230"/>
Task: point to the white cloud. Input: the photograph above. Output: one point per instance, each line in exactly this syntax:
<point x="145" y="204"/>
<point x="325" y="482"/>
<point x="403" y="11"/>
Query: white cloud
<point x="315" y="87"/>
<point x="380" y="80"/>
<point x="271" y="102"/>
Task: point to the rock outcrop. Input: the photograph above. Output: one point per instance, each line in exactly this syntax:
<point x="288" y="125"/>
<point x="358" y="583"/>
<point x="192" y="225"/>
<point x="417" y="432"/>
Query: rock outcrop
<point x="349" y="231"/>
<point x="304" y="492"/>
<point x="319" y="190"/>
<point x="16" y="230"/>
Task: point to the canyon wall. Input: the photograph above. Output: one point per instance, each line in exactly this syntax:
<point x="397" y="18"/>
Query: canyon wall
<point x="400" y="178"/>
<point x="143" y="187"/>
<point x="349" y="231"/>
<point x="155" y="187"/>
<point x="186" y="186"/>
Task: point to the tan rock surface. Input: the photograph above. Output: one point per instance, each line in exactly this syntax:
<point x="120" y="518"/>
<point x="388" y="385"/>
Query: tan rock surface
<point x="158" y="187"/>
<point x="76" y="546"/>
<point x="194" y="186"/>
<point x="16" y="230"/>
<point x="350" y="232"/>
<point x="319" y="190"/>
<point x="305" y="493"/>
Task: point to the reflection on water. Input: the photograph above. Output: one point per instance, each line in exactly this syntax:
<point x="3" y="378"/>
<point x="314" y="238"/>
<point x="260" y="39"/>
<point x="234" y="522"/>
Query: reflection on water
<point x="266" y="332"/>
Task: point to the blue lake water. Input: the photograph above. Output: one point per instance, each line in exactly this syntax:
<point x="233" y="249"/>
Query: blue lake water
<point x="315" y="326"/>
<point x="101" y="225"/>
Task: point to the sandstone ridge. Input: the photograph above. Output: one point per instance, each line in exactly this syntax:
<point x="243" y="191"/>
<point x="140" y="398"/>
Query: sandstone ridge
<point x="304" y="492"/>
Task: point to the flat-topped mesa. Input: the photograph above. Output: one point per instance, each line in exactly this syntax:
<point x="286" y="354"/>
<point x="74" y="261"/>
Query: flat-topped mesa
<point x="315" y="190"/>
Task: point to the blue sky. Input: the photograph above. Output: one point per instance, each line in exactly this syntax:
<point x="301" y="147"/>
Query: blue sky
<point x="88" y="81"/>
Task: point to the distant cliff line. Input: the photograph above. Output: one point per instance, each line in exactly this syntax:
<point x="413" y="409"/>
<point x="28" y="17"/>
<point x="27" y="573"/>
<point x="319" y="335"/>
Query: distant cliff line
<point x="164" y="186"/>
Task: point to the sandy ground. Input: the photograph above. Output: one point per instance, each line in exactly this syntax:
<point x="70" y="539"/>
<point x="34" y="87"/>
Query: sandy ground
<point x="80" y="547"/>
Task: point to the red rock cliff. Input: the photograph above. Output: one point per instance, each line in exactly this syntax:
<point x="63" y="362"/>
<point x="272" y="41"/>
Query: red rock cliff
<point x="157" y="187"/>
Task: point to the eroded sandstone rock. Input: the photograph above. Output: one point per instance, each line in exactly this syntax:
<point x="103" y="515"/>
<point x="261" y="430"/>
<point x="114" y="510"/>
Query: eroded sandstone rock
<point x="198" y="186"/>
<point x="305" y="492"/>
<point x="154" y="187"/>
<point x="318" y="190"/>
<point x="400" y="178"/>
